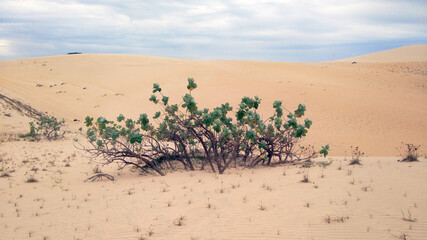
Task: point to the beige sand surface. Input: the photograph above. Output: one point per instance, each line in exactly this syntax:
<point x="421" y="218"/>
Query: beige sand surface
<point x="369" y="198"/>
<point x="372" y="104"/>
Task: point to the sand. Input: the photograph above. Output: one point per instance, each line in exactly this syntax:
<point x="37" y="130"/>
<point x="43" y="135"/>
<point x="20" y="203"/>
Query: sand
<point x="375" y="104"/>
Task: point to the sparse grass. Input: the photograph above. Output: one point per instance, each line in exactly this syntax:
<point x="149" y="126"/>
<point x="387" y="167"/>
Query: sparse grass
<point x="308" y="164"/>
<point x="409" y="152"/>
<point x="209" y="205"/>
<point x="150" y="231"/>
<point x="403" y="236"/>
<point x="267" y="187"/>
<point x="356" y="156"/>
<point x="31" y="179"/>
<point x="328" y="219"/>
<point x="5" y="175"/>
<point x="305" y="178"/>
<point x="179" y="221"/>
<point x="96" y="170"/>
<point x="261" y="207"/>
<point x="324" y="164"/>
<point x="409" y="217"/>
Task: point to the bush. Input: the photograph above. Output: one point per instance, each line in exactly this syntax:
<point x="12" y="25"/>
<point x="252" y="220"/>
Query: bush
<point x="356" y="156"/>
<point x="409" y="152"/>
<point x="48" y="127"/>
<point x="192" y="137"/>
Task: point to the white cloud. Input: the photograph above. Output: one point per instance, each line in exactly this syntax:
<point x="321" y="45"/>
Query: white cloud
<point x="207" y="29"/>
<point x="5" y="48"/>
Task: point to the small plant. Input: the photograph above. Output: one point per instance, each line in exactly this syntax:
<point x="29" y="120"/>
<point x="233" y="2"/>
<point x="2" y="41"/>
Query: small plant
<point x="261" y="207"/>
<point x="324" y="164"/>
<point x="5" y="175"/>
<point x="179" y="221"/>
<point x="46" y="126"/>
<point x="267" y="187"/>
<point x="150" y="231"/>
<point x="403" y="236"/>
<point x="409" y="217"/>
<point x="305" y="178"/>
<point x="329" y="219"/>
<point x="31" y="179"/>
<point x="356" y="156"/>
<point x="409" y="152"/>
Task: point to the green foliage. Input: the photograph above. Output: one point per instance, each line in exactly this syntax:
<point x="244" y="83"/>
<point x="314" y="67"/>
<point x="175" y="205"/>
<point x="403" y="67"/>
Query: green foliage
<point x="216" y="138"/>
<point x="48" y="127"/>
<point x="325" y="150"/>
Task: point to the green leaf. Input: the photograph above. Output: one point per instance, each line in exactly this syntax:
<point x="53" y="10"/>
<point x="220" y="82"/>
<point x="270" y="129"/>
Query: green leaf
<point x="135" y="137"/>
<point x="308" y="123"/>
<point x="191" y="84"/>
<point x="99" y="143"/>
<point x="156" y="115"/>
<point x="156" y="88"/>
<point x="325" y="150"/>
<point x="143" y="120"/>
<point x="189" y="103"/>
<point x="300" y="131"/>
<point x="102" y="122"/>
<point x="120" y="118"/>
<point x="153" y="99"/>
<point x="88" y="121"/>
<point x="251" y="135"/>
<point x="263" y="145"/>
<point x="300" y="111"/>
<point x="130" y="124"/>
<point x="165" y="100"/>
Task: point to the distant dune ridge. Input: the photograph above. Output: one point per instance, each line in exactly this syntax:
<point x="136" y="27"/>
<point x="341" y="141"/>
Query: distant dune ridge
<point x="412" y="53"/>
<point x="374" y="104"/>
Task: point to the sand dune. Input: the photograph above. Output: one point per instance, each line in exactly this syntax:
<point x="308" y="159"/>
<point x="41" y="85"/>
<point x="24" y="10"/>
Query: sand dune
<point x="372" y="104"/>
<point x="412" y="53"/>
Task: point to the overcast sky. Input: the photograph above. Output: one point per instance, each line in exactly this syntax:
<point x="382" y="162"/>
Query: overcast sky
<point x="281" y="30"/>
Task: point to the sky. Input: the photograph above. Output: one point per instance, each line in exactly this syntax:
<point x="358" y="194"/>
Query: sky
<point x="262" y="30"/>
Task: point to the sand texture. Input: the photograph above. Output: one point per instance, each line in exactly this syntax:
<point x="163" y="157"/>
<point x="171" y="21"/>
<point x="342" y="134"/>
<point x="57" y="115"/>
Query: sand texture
<point x="376" y="103"/>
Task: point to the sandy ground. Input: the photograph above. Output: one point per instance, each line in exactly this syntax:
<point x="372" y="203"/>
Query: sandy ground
<point x="375" y="104"/>
<point x="262" y="203"/>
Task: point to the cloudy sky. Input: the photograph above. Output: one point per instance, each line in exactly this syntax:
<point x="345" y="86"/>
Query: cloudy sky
<point x="271" y="30"/>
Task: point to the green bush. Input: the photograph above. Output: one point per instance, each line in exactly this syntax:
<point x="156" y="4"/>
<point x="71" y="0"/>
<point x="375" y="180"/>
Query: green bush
<point x="49" y="127"/>
<point x="195" y="137"/>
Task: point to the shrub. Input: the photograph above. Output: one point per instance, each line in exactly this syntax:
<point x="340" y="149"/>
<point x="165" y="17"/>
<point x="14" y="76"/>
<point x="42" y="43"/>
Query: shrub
<point x="356" y="156"/>
<point x="409" y="152"/>
<point x="184" y="134"/>
<point x="48" y="127"/>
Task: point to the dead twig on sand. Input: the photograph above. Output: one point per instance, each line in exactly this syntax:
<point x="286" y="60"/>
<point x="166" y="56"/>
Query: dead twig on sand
<point x="99" y="176"/>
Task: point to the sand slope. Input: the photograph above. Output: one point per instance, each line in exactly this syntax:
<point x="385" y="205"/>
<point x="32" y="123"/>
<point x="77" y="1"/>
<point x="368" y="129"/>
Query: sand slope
<point x="373" y="105"/>
<point x="412" y="53"/>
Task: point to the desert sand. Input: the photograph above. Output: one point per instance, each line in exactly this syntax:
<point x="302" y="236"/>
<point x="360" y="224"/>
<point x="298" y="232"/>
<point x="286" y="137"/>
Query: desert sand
<point x="375" y="103"/>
